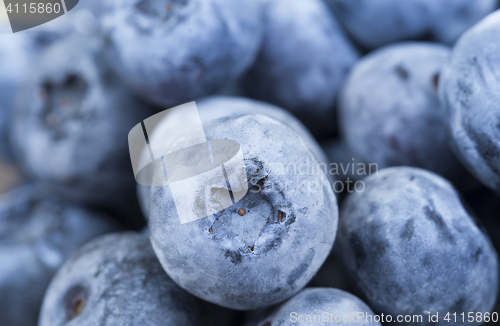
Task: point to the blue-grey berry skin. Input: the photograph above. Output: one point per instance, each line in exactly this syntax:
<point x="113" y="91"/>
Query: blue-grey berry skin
<point x="320" y="306"/>
<point x="216" y="107"/>
<point x="14" y="62"/>
<point x="18" y="53"/>
<point x="266" y="254"/>
<point x="170" y="52"/>
<point x="469" y="94"/>
<point x="117" y="280"/>
<point x="70" y="126"/>
<point x="304" y="58"/>
<point x="411" y="248"/>
<point x="38" y="232"/>
<point x="456" y="17"/>
<point x="375" y="23"/>
<point x="390" y="112"/>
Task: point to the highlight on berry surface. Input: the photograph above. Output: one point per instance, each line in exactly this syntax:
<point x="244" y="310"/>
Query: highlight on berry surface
<point x="205" y="176"/>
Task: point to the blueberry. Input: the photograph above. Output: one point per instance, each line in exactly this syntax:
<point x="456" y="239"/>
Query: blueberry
<point x="70" y="127"/>
<point x="411" y="248"/>
<point x="267" y="246"/>
<point x="216" y="107"/>
<point x="173" y="51"/>
<point x="82" y="19"/>
<point x="18" y="52"/>
<point x="14" y="64"/>
<point x="390" y="112"/>
<point x="455" y="17"/>
<point x="117" y="280"/>
<point x="304" y="58"/>
<point x="374" y="23"/>
<point x="321" y="306"/>
<point x="468" y="91"/>
<point x="38" y="232"/>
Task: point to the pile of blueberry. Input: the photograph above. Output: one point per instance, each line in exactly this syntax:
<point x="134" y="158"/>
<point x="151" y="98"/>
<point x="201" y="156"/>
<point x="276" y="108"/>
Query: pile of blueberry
<point x="370" y="134"/>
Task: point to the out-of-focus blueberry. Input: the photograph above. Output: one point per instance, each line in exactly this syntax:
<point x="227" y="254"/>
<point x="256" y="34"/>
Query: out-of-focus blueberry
<point x="454" y="17"/>
<point x="390" y="112"/>
<point x="304" y="58"/>
<point x="216" y="107"/>
<point x="411" y="248"/>
<point x="19" y="52"/>
<point x="71" y="124"/>
<point x="173" y="51"/>
<point x="469" y="94"/>
<point x="38" y="232"/>
<point x="320" y="306"/>
<point x="374" y="23"/>
<point x="117" y="280"/>
<point x="267" y="246"/>
<point x="14" y="64"/>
